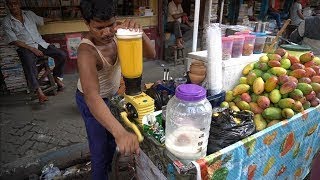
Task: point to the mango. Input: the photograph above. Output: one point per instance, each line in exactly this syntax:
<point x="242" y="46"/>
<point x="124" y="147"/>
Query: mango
<point x="280" y="51"/>
<point x="258" y="86"/>
<point x="306" y="57"/>
<point x="254" y="97"/>
<point x="316" y="87"/>
<point x="273" y="122"/>
<point x="259" y="122"/>
<point x="316" y="60"/>
<point x="258" y="72"/>
<point x="306" y="105"/>
<point x="315" y="79"/>
<point x="287" y="87"/>
<point x="247" y="68"/>
<point x="255" y="108"/>
<point x="262" y="66"/>
<point x="305" y="80"/>
<point x="231" y="104"/>
<point x="297" y="66"/>
<point x="251" y="77"/>
<point x="303" y="100"/>
<point x="243" y="80"/>
<point x="245" y="97"/>
<point x="315" y="102"/>
<point x="275" y="96"/>
<point x="286" y="103"/>
<point x="283" y="96"/>
<point x="285" y="63"/>
<point x="298" y="73"/>
<point x="241" y="88"/>
<point x="305" y="88"/>
<point x="266" y="76"/>
<point x="235" y="108"/>
<point x="309" y="64"/>
<point x="316" y="69"/>
<point x="283" y="79"/>
<point x="243" y="105"/>
<point x="224" y="104"/>
<point x="237" y="99"/>
<point x="296" y="94"/>
<point x="276" y="57"/>
<point x="271" y="84"/>
<point x="311" y="96"/>
<point x="263" y="102"/>
<point x="278" y="71"/>
<point x="293" y="59"/>
<point x="274" y="63"/>
<point x="310" y="71"/>
<point x="229" y="96"/>
<point x="272" y="113"/>
<point x="264" y="59"/>
<point x="293" y="79"/>
<point x="297" y="106"/>
<point x="287" y="113"/>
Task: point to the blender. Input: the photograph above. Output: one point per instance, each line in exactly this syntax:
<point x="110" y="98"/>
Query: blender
<point x="137" y="104"/>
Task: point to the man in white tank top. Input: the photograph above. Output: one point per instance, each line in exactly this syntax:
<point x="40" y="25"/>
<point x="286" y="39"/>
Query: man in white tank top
<point x="99" y="70"/>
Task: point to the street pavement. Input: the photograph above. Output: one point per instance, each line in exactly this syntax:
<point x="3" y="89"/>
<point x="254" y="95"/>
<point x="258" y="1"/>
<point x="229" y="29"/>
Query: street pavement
<point x="33" y="135"/>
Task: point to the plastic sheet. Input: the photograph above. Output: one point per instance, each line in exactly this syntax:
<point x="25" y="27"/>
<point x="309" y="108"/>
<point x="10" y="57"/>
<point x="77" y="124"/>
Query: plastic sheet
<point x="228" y="127"/>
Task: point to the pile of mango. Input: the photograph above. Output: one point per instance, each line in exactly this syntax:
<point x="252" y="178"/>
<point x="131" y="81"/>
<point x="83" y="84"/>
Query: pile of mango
<point x="277" y="87"/>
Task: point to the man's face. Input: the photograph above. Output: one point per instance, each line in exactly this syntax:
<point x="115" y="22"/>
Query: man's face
<point x="14" y="6"/>
<point x="103" y="31"/>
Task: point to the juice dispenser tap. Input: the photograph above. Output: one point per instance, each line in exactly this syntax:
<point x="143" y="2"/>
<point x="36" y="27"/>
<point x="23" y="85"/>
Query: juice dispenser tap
<point x="137" y="103"/>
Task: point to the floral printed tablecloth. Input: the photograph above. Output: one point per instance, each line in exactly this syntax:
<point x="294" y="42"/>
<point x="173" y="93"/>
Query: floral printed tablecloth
<point x="282" y="151"/>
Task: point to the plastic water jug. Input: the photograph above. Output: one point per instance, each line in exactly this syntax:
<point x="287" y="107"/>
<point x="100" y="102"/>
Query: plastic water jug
<point x="188" y="118"/>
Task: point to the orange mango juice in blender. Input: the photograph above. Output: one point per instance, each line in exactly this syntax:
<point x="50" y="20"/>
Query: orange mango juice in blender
<point x="130" y="52"/>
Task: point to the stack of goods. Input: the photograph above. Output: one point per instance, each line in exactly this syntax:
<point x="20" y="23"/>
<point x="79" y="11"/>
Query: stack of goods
<point x="277" y="87"/>
<point x="243" y="11"/>
<point x="11" y="67"/>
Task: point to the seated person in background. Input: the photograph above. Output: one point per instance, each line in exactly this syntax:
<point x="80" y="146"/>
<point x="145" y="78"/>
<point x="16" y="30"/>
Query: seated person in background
<point x="178" y="23"/>
<point x="296" y="15"/>
<point x="21" y="29"/>
<point x="308" y="33"/>
<point x="274" y="11"/>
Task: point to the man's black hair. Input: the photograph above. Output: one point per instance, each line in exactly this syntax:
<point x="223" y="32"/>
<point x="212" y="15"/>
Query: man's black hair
<point x="97" y="9"/>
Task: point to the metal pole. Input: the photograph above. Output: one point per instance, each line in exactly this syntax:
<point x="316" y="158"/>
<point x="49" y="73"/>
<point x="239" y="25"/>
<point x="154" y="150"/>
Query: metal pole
<point x="209" y="12"/>
<point x="221" y="13"/>
<point x="196" y="26"/>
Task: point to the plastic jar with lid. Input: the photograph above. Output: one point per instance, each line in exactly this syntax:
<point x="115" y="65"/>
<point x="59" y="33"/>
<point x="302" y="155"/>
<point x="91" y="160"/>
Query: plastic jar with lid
<point x="237" y="46"/>
<point x="248" y="44"/>
<point x="259" y="42"/>
<point x="188" y="117"/>
<point x="227" y="43"/>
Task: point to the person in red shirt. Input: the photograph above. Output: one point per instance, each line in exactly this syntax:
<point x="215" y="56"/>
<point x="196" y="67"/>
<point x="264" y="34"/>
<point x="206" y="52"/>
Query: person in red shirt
<point x="274" y="11"/>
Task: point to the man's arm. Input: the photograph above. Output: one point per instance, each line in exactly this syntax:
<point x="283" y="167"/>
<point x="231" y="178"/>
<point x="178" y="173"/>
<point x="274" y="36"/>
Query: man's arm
<point x="21" y="44"/>
<point x="127" y="142"/>
<point x="299" y="11"/>
<point x="148" y="50"/>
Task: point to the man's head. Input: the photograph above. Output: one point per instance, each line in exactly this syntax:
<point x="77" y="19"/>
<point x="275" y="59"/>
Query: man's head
<point x="99" y="15"/>
<point x="177" y="1"/>
<point x="13" y="6"/>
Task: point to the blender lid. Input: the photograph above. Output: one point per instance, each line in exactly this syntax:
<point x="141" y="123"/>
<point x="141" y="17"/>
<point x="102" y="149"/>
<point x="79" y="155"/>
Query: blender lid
<point x="128" y="33"/>
<point x="190" y="92"/>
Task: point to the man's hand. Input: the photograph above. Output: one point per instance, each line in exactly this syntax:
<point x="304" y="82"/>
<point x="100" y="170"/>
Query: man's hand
<point x="36" y="51"/>
<point x="127" y="143"/>
<point x="129" y="24"/>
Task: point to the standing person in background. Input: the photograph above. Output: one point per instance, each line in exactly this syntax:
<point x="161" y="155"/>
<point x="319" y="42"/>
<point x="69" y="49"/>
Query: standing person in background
<point x="274" y="11"/>
<point x="251" y="11"/>
<point x="21" y="29"/>
<point x="234" y="8"/>
<point x="99" y="80"/>
<point x="296" y="15"/>
<point x="178" y="22"/>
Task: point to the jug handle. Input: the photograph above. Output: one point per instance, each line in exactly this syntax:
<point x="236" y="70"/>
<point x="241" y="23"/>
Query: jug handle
<point x="132" y="126"/>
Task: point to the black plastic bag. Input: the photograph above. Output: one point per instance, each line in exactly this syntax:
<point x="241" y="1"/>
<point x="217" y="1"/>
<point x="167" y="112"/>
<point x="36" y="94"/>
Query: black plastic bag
<point x="228" y="127"/>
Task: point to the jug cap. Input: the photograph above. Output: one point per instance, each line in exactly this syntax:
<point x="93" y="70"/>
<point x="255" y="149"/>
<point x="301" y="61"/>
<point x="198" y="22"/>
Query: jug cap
<point x="190" y="92"/>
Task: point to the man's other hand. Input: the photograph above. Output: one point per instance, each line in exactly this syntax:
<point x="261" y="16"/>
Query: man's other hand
<point x="36" y="51"/>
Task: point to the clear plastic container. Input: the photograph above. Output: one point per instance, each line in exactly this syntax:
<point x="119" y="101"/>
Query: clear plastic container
<point x="227" y="43"/>
<point x="248" y="45"/>
<point x="188" y="117"/>
<point x="259" y="43"/>
<point x="237" y="46"/>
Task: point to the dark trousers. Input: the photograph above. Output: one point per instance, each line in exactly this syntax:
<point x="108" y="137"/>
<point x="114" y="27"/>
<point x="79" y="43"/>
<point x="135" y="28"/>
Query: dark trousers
<point x="29" y="61"/>
<point x="101" y="143"/>
<point x="177" y="28"/>
<point x="277" y="17"/>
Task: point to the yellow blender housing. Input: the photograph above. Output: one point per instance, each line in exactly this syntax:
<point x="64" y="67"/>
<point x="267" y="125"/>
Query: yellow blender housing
<point x="138" y="104"/>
